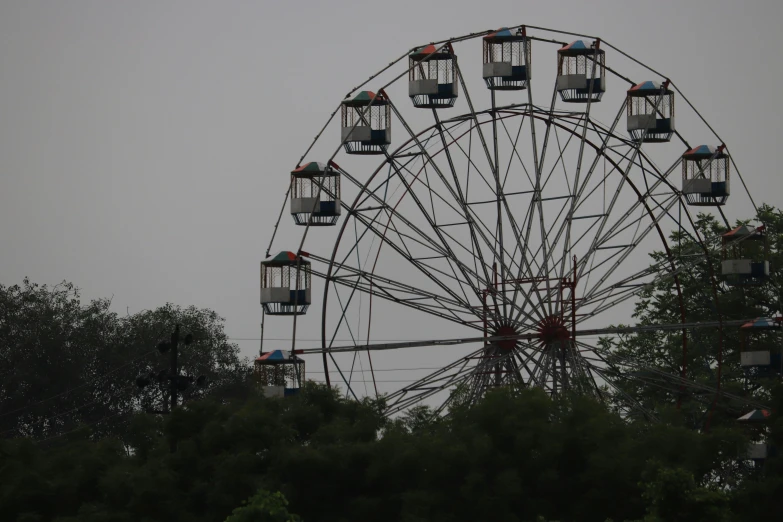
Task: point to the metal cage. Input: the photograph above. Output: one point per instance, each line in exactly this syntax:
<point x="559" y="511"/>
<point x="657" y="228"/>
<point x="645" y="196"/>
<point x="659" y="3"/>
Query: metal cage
<point x="760" y="346"/>
<point x="432" y="77"/>
<point x="705" y="176"/>
<point x="315" y="194"/>
<point x="280" y="373"/>
<point x="285" y="284"/>
<point x="366" y="123"/>
<point x="507" y="60"/>
<point x="744" y="256"/>
<point x="650" y="112"/>
<point x="581" y="72"/>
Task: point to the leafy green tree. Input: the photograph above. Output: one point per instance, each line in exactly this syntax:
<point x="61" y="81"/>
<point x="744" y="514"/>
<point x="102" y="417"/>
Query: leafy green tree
<point x="64" y="363"/>
<point x="264" y="507"/>
<point x="674" y="496"/>
<point x="704" y="301"/>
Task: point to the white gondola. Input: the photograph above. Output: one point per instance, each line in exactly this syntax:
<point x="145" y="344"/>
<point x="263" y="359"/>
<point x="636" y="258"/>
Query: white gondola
<point x="285" y="284"/>
<point x="745" y="256"/>
<point x="581" y="72"/>
<point x="507" y="58"/>
<point x="705" y="176"/>
<point x="315" y="194"/>
<point x="760" y="345"/>
<point x="279" y="373"/>
<point x="366" y="123"/>
<point x="651" y="112"/>
<point x="432" y="77"/>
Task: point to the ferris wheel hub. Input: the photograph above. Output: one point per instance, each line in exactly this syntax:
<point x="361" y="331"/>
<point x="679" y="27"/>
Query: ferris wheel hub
<point x="502" y="331"/>
<point x="553" y="329"/>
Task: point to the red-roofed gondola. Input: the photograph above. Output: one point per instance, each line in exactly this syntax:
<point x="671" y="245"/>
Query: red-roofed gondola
<point x="315" y="194"/>
<point x="651" y="112"/>
<point x="366" y="123"/>
<point x="705" y="176"/>
<point x="432" y="78"/>
<point x="285" y="284"/>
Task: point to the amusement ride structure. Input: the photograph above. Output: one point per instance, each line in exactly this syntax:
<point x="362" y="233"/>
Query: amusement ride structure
<point x="516" y="228"/>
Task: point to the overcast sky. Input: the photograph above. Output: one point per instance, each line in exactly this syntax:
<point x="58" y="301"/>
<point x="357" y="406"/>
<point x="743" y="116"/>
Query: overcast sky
<point x="145" y="146"/>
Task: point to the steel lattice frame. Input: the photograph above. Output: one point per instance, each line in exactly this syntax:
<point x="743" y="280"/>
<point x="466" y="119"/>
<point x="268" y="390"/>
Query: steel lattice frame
<point x="518" y="223"/>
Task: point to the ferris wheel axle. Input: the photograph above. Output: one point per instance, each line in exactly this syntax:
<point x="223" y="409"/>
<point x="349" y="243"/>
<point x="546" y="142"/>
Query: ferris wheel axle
<point x="522" y="337"/>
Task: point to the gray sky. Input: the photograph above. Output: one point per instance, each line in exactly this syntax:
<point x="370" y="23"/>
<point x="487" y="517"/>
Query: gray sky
<point x="145" y="146"/>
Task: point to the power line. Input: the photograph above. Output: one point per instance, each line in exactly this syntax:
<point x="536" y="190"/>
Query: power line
<point x="385" y="370"/>
<point x="352" y="381"/>
<point x="348" y="340"/>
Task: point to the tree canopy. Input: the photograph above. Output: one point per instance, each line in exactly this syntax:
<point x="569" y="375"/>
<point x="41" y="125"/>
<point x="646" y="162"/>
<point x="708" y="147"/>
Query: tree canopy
<point x="515" y="456"/>
<point x="64" y="363"/>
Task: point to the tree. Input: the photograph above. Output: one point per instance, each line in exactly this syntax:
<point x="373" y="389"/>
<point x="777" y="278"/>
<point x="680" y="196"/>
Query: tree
<point x="264" y="507"/>
<point x="516" y="455"/>
<point x="64" y="363"/>
<point x="706" y="298"/>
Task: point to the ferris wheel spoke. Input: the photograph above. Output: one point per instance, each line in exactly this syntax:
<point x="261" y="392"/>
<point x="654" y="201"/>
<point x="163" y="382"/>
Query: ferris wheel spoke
<point x="455" y="195"/>
<point x="482" y="231"/>
<point x="406" y="295"/>
<point x="523" y="268"/>
<point x="476" y="249"/>
<point x="436" y="247"/>
<point x="577" y="192"/>
<point x="627" y="249"/>
<point x="453" y="374"/>
<point x="344" y="307"/>
<point x="610" y="373"/>
<point x="568" y="222"/>
<point x="629" y="369"/>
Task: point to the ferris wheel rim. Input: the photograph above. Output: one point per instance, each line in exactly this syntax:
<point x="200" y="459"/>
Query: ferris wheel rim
<point x="424" y="131"/>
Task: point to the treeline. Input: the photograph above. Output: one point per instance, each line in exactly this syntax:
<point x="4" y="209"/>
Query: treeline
<point x="65" y="363"/>
<point x="516" y="456"/>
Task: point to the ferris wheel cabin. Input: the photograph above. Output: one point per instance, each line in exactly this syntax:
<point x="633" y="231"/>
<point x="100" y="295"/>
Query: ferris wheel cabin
<point x="581" y="72"/>
<point x="507" y="60"/>
<point x="745" y="254"/>
<point x="280" y="373"/>
<point x="760" y="344"/>
<point x="366" y="123"/>
<point x="285" y="284"/>
<point x="705" y="176"/>
<point x="432" y="78"/>
<point x="315" y="194"/>
<point x="650" y="112"/>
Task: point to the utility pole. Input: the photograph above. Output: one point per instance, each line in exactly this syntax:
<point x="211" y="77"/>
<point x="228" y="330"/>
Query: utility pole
<point x="174" y="369"/>
<point x="176" y="382"/>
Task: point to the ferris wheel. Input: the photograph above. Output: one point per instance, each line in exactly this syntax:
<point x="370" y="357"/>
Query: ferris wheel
<point x="508" y="226"/>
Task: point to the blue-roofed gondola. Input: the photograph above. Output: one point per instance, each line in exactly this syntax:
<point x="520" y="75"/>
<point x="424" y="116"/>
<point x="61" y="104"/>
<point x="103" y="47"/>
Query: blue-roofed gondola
<point x="651" y="112"/>
<point x="507" y="59"/>
<point x="280" y="373"/>
<point x="705" y="176"/>
<point x="285" y="284"/>
<point x="581" y="72"/>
